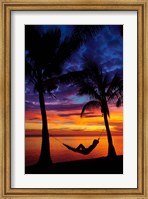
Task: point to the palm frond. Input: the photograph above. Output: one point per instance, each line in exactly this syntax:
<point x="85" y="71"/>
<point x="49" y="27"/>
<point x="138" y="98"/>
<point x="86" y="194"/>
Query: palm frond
<point x="119" y="102"/>
<point x="71" y="77"/>
<point x="65" y="51"/>
<point x="29" y="72"/>
<point x="49" y="44"/>
<point x="42" y="49"/>
<point x="33" y="42"/>
<point x="90" y="105"/>
<point x="90" y="65"/>
<point x="87" y="88"/>
<point x="32" y="38"/>
<point x="52" y="95"/>
<point x="71" y="44"/>
<point x="106" y="80"/>
<point x="50" y="84"/>
<point x="115" y="87"/>
<point x="116" y="93"/>
<point x="94" y="73"/>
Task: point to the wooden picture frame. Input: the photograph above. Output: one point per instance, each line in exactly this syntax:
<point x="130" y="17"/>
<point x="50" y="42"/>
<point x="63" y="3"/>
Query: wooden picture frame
<point x="6" y="6"/>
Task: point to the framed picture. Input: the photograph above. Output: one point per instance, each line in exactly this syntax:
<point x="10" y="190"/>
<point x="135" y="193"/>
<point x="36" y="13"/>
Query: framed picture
<point x="73" y="99"/>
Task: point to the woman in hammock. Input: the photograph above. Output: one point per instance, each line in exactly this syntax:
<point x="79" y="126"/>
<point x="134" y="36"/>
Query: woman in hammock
<point x="81" y="148"/>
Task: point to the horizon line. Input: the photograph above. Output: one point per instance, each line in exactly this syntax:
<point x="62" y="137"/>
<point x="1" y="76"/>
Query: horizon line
<point x="58" y="135"/>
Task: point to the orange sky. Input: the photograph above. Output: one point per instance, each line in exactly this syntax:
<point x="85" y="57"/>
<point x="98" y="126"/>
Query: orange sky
<point x="73" y="124"/>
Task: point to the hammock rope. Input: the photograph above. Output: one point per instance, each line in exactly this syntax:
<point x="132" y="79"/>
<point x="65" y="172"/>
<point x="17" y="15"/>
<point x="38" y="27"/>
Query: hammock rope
<point x="56" y="139"/>
<point x="81" y="149"/>
<point x="64" y="144"/>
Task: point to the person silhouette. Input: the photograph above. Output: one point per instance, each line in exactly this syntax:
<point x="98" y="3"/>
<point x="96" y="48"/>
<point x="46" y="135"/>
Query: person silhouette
<point x="82" y="149"/>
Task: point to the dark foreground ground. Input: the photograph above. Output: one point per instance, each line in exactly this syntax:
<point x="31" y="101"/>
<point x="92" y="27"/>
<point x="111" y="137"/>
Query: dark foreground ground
<point x="103" y="165"/>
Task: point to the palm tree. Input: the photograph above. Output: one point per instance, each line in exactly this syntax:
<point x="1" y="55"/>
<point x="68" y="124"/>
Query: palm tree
<point x="45" y="57"/>
<point x="103" y="88"/>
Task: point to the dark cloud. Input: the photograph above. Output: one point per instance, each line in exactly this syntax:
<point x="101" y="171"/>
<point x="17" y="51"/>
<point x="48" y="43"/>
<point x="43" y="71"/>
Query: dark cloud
<point x="93" y="115"/>
<point x="106" y="48"/>
<point x="69" y="114"/>
<point x="61" y="107"/>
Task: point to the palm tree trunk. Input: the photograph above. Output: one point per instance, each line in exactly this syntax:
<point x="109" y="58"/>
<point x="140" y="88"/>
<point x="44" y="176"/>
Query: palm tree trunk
<point x="111" y="149"/>
<point x="45" y="159"/>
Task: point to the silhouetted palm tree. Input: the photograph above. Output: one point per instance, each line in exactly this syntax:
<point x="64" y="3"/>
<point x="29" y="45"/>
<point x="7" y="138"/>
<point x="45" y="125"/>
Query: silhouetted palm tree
<point x="45" y="57"/>
<point x="103" y="88"/>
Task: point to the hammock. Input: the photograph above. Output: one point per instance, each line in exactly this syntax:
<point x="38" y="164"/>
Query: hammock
<point x="81" y="149"/>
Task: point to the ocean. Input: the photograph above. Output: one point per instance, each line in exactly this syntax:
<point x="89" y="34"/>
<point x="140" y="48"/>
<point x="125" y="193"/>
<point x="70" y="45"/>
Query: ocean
<point x="59" y="153"/>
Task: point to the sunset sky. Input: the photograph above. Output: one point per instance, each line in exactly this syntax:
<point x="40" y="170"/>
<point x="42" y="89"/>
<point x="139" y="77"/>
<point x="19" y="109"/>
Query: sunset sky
<point x="63" y="113"/>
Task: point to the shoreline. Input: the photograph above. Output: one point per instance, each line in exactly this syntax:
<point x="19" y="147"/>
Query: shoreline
<point x="102" y="165"/>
